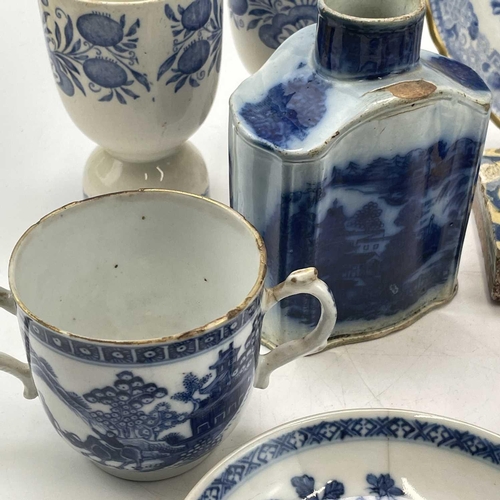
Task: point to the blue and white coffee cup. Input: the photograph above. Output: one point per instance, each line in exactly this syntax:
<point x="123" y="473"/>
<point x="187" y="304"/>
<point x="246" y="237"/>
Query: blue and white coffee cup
<point x="141" y="314"/>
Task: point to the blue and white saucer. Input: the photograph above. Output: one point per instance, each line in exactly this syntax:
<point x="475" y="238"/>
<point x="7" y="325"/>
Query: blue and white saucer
<point x="469" y="32"/>
<point x="361" y="455"/>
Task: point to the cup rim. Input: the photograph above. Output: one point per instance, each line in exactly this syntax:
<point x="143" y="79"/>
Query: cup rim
<point x="416" y="14"/>
<point x="252" y="294"/>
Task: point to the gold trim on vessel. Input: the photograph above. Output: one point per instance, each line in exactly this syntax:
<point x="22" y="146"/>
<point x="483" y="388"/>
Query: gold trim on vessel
<point x="254" y="292"/>
<point x="355" y="338"/>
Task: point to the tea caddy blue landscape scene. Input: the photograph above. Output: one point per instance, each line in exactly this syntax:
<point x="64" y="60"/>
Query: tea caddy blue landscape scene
<point x="354" y="152"/>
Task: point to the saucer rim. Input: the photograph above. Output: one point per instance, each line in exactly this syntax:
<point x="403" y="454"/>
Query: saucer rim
<point x="208" y="478"/>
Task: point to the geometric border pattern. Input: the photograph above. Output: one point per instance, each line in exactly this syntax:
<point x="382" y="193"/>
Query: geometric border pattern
<point x="106" y="354"/>
<point x="394" y="428"/>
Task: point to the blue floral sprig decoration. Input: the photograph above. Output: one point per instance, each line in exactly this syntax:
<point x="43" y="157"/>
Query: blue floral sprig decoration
<point x="102" y="49"/>
<point x="305" y="488"/>
<point x="382" y="487"/>
<point x="197" y="32"/>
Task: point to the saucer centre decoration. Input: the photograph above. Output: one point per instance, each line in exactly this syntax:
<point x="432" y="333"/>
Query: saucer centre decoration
<point x="381" y="487"/>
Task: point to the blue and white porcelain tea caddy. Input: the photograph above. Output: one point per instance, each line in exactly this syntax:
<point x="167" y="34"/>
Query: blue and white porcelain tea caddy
<point x="352" y="151"/>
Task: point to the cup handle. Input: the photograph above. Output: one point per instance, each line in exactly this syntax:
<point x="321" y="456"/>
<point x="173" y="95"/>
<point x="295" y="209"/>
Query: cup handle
<point x="301" y="281"/>
<point x="12" y="365"/>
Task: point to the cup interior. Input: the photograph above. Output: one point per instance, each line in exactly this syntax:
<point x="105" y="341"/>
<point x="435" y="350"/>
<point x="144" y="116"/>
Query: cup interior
<point x="137" y="266"/>
<point x="374" y="9"/>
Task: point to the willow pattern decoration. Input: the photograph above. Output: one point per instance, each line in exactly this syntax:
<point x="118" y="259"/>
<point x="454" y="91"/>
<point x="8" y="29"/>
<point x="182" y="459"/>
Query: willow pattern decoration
<point x="134" y="422"/>
<point x="100" y="55"/>
<point x="197" y="44"/>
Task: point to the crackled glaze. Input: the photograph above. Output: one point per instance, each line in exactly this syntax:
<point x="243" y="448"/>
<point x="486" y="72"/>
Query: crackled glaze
<point x="327" y="161"/>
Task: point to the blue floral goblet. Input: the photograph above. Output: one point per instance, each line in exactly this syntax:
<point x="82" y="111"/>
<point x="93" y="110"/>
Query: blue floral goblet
<point x="138" y="78"/>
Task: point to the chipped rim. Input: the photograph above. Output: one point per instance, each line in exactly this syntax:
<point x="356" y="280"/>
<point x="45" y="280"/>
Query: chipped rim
<point x="254" y="292"/>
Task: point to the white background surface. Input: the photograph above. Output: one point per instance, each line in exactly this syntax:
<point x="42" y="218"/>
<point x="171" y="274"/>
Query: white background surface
<point x="447" y="363"/>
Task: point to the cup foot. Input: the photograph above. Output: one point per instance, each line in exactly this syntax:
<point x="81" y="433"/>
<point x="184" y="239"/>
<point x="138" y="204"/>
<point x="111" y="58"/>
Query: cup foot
<point x="158" y="475"/>
<point x="183" y="170"/>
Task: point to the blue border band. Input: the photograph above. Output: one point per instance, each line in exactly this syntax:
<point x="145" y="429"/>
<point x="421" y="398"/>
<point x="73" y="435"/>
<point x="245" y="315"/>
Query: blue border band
<point x="145" y="354"/>
<point x="395" y="428"/>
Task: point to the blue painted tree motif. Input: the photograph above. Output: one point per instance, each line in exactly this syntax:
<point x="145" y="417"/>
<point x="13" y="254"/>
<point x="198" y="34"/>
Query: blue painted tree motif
<point x="127" y="399"/>
<point x="367" y="219"/>
<point x="104" y="52"/>
<point x="495" y="5"/>
<point x="278" y="19"/>
<point x="197" y="31"/>
<point x="133" y="422"/>
<point x="193" y="385"/>
<point x="381" y="488"/>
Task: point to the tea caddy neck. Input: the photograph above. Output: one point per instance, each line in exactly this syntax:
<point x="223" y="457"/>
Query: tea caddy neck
<point x="363" y="39"/>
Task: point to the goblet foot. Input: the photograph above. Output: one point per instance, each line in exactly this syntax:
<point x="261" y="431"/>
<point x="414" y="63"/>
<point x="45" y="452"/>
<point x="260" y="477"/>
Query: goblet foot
<point x="183" y="170"/>
<point x="159" y="475"/>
